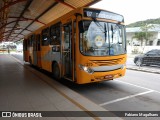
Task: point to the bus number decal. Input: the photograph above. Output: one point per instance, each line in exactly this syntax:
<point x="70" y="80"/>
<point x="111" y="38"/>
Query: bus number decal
<point x="88" y="64"/>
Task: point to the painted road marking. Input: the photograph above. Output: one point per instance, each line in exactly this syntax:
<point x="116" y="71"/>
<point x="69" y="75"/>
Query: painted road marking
<point x="124" y="98"/>
<point x="137" y="86"/>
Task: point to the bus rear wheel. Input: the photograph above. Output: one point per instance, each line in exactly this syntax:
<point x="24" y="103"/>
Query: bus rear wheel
<point x="56" y="71"/>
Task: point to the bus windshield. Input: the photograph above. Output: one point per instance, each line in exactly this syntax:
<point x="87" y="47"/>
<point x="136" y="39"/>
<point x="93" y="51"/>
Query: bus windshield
<point x="102" y="39"/>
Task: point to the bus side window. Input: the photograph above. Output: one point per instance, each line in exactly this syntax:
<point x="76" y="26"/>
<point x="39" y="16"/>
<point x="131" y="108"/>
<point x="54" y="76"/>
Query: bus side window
<point x="55" y="34"/>
<point x="66" y="38"/>
<point x="45" y="37"/>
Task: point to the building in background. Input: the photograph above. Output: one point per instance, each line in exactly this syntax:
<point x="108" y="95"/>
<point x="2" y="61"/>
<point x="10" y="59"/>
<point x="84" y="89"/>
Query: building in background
<point x="6" y="45"/>
<point x="135" y="45"/>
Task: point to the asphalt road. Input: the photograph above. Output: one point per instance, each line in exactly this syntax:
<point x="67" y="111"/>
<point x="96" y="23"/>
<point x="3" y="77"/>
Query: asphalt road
<point x="130" y="61"/>
<point x="137" y="91"/>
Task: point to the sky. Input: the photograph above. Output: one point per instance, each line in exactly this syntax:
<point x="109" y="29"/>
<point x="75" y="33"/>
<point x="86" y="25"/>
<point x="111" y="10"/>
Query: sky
<point x="132" y="10"/>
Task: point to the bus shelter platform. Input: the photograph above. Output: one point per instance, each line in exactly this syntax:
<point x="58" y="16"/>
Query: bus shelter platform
<point x="23" y="88"/>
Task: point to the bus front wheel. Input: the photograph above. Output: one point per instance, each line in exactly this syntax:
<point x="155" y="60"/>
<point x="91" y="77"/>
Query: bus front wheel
<point x="56" y="71"/>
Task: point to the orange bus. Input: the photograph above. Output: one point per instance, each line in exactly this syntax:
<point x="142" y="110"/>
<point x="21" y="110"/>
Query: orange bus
<point x="86" y="45"/>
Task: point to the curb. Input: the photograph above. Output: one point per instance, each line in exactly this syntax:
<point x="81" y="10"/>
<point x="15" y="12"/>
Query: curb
<point x="143" y="70"/>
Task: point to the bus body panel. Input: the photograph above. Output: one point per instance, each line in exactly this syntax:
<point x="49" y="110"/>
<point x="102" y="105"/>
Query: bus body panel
<point x="104" y="67"/>
<point x="84" y="77"/>
<point x="35" y="58"/>
<point x="39" y="59"/>
<point x="100" y="63"/>
<point x="45" y="58"/>
<point x="26" y="55"/>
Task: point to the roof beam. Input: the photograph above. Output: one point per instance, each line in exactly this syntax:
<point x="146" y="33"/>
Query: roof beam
<point x="22" y="20"/>
<point x="20" y="28"/>
<point x="15" y="38"/>
<point x="26" y="7"/>
<point x="7" y="24"/>
<point x="12" y="34"/>
<point x="6" y="32"/>
<point x="66" y="4"/>
<point x="3" y="15"/>
<point x="50" y="7"/>
<point x="15" y="29"/>
<point x="10" y="4"/>
<point x="9" y="38"/>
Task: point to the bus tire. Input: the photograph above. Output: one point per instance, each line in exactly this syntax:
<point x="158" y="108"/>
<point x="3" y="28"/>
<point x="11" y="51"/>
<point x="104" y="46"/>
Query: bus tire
<point x="56" y="71"/>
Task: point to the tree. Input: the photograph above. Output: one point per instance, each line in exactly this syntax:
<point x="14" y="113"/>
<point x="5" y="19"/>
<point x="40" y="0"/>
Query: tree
<point x="144" y="34"/>
<point x="139" y="36"/>
<point x="145" y="29"/>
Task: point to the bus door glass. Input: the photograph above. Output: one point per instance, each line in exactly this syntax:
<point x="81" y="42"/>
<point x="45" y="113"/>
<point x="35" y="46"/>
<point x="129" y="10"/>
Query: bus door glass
<point x="67" y="50"/>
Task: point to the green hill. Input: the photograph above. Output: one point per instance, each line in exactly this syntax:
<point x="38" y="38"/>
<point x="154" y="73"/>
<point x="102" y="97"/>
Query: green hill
<point x="141" y="23"/>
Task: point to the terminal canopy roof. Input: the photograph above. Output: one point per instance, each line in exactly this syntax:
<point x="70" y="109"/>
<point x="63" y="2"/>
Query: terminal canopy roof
<point x="21" y="17"/>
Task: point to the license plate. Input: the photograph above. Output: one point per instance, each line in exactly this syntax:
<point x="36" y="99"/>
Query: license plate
<point x="108" y="77"/>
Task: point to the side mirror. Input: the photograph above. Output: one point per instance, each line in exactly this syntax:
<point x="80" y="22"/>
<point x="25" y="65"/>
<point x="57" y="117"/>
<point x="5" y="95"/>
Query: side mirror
<point x="81" y="26"/>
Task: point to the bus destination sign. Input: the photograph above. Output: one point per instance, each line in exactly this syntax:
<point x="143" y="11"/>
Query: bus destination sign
<point x="103" y="14"/>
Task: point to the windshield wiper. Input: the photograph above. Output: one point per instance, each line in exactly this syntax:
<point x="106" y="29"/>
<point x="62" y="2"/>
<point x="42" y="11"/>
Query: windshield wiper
<point x="98" y="24"/>
<point x="103" y="29"/>
<point x="112" y="32"/>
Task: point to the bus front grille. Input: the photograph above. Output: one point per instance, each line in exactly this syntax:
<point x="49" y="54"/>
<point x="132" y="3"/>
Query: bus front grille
<point x="107" y="62"/>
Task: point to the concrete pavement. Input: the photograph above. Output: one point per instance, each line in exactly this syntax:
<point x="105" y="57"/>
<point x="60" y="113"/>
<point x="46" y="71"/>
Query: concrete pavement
<point x="23" y="88"/>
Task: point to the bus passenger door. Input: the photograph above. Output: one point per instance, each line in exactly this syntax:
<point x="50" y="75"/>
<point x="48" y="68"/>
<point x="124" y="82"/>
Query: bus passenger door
<point x="67" y="51"/>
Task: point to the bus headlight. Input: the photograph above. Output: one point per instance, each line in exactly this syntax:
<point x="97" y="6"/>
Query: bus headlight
<point x="86" y="69"/>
